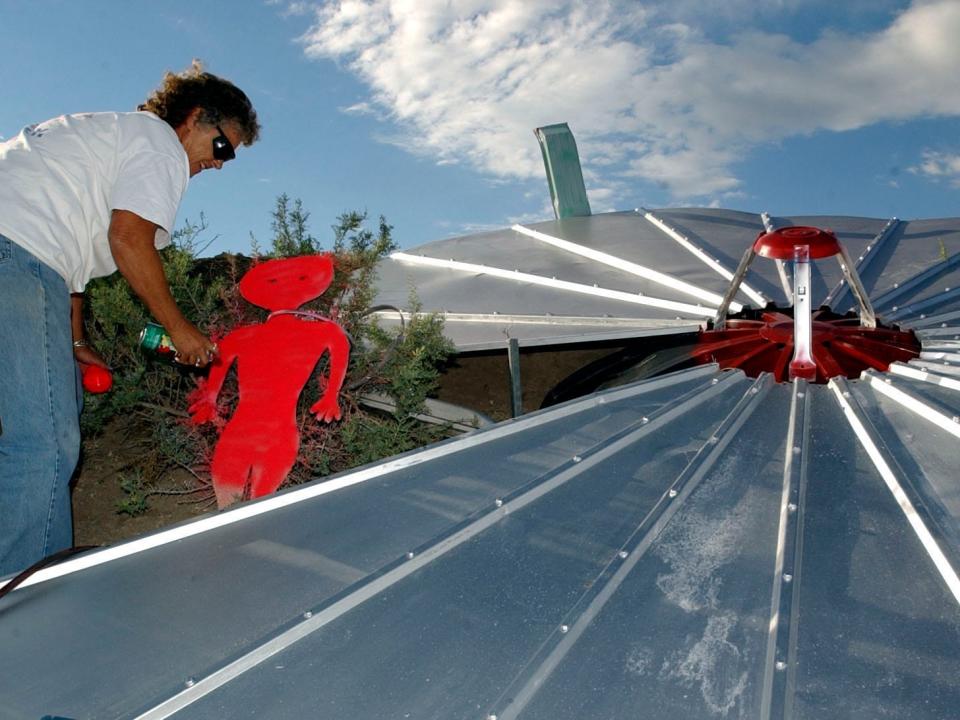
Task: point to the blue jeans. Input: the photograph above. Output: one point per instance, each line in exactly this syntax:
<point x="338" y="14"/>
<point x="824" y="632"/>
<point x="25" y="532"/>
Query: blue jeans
<point x="39" y="409"/>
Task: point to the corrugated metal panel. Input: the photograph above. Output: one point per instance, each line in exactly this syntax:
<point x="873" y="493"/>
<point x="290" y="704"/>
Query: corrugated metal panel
<point x="698" y="545"/>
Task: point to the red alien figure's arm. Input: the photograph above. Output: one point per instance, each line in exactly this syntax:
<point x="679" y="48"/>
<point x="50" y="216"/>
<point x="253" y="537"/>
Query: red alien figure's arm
<point x="203" y="400"/>
<point x="327" y="408"/>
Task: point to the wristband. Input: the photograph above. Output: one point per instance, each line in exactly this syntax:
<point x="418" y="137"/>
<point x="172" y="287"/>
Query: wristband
<point x="80" y="343"/>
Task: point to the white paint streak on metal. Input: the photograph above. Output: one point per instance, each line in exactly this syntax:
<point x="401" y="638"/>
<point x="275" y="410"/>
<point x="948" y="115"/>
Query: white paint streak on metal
<point x="938" y="367"/>
<point x="626" y="266"/>
<point x="924" y="375"/>
<point x="944" y="357"/>
<point x="913" y="404"/>
<point x="308" y="492"/>
<point x="754" y="295"/>
<point x="564" y="285"/>
<point x="940" y="561"/>
<point x="512" y="319"/>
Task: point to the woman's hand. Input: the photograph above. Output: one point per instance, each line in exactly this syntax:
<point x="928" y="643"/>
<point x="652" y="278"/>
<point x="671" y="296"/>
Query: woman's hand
<point x="85" y="354"/>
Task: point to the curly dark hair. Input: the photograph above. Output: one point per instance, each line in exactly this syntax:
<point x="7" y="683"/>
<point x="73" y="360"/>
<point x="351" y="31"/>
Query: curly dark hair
<point x="219" y="101"/>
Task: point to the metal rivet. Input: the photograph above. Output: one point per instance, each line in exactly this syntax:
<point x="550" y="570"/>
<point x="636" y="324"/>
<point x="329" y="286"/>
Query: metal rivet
<point x="780" y="665"/>
<point x="796" y="450"/>
<point x="564" y="628"/>
<point x="792" y="507"/>
<point x="308" y="614"/>
<point x="672" y="493"/>
<point x="895" y="308"/>
<point x="956" y="418"/>
<point x="190" y="682"/>
<point x="846" y="393"/>
<point x="787" y="577"/>
<point x="498" y="502"/>
<point x="644" y="420"/>
<point x="800" y="394"/>
<point x="410" y="555"/>
<point x="623" y="554"/>
<point x="714" y="381"/>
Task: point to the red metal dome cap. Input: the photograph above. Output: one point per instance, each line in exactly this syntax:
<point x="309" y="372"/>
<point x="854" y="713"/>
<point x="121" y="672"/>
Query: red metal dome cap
<point x="780" y="243"/>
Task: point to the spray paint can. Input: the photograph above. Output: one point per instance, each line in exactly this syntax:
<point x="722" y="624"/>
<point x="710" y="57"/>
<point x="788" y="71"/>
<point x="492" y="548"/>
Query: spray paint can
<point x="155" y="339"/>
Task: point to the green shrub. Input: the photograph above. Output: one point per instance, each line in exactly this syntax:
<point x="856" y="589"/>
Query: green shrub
<point x="149" y="394"/>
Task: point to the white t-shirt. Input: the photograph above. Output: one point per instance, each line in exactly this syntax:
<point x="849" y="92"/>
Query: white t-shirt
<point x="60" y="181"/>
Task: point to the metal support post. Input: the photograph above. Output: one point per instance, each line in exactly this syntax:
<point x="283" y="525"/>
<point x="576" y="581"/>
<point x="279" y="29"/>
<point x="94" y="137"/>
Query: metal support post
<point x="516" y="387"/>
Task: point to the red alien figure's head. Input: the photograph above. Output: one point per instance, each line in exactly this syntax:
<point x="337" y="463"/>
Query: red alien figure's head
<point x="287" y="283"/>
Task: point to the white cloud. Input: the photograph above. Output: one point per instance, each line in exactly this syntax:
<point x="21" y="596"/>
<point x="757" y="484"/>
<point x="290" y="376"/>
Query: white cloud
<point x="645" y="92"/>
<point x="939" y="166"/>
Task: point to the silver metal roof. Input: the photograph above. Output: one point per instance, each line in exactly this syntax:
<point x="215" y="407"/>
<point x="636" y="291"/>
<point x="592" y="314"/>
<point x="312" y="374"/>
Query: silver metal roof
<point x="629" y="274"/>
<point x="699" y="545"/>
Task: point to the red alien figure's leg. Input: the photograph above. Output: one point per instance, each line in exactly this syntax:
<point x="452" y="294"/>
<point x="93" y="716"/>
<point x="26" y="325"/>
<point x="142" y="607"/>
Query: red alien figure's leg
<point x="274" y="463"/>
<point x="232" y="461"/>
<point x="249" y="462"/>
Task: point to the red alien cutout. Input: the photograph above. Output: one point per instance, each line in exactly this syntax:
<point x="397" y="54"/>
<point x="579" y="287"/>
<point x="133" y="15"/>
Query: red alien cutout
<point x="275" y="359"/>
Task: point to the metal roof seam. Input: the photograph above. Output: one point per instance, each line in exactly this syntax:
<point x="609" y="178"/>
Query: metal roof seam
<point x="640" y="540"/>
<point x="902" y="313"/>
<point x="626" y="265"/>
<point x="554" y="283"/>
<point x="924" y="374"/>
<point x="885" y="466"/>
<point x="942" y="321"/>
<point x="353" y="477"/>
<point x="416" y="559"/>
<point x="919" y="280"/>
<point x="717" y="266"/>
<point x="935" y="413"/>
<point x="780" y="658"/>
<point x="943" y="368"/>
<point x="841" y="290"/>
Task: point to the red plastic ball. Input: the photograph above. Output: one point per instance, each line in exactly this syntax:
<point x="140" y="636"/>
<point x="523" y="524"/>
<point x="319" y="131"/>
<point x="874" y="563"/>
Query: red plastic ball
<point x="97" y="379"/>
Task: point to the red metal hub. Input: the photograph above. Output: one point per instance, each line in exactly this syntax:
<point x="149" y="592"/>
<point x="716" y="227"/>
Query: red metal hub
<point x="841" y="346"/>
<point x="781" y="244"/>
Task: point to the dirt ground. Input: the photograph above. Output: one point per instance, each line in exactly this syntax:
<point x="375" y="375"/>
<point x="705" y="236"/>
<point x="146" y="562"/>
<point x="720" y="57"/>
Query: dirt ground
<point x="480" y="382"/>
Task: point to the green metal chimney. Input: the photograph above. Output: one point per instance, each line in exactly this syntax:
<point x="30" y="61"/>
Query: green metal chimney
<point x="562" y="163"/>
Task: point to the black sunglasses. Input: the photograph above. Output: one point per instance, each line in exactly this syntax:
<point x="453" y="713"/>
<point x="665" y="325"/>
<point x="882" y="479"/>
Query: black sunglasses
<point x="222" y="149"/>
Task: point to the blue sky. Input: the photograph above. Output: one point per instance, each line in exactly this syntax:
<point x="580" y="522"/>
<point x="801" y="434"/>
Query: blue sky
<point x="423" y="110"/>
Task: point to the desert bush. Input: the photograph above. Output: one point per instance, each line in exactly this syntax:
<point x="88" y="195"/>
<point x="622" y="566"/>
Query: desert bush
<point x="151" y="394"/>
